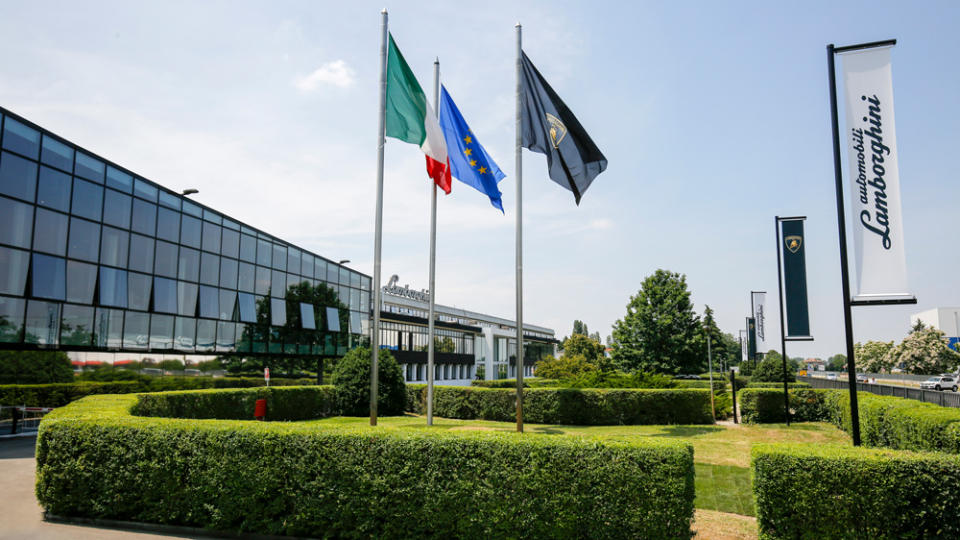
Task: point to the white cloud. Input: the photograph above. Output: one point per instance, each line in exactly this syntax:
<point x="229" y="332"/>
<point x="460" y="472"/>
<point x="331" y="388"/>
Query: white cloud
<point x="336" y="73"/>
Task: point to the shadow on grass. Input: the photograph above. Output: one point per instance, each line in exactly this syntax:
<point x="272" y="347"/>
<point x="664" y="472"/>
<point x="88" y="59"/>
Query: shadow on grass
<point x="547" y="430"/>
<point x="686" y="431"/>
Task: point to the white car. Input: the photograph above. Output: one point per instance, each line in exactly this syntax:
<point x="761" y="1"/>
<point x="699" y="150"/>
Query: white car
<point x="831" y="376"/>
<point x="940" y="382"/>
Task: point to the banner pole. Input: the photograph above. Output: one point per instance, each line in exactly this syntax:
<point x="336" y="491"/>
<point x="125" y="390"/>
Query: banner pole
<point x="378" y="234"/>
<point x="783" y="333"/>
<point x="753" y="315"/>
<point x="433" y="261"/>
<point x="713" y="408"/>
<point x="844" y="272"/>
<point x="519" y="172"/>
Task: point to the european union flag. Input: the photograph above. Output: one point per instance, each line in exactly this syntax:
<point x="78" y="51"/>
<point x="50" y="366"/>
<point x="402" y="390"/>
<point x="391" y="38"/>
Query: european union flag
<point x="469" y="162"/>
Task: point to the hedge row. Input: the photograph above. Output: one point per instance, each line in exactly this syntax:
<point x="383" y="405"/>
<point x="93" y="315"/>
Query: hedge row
<point x="512" y="383"/>
<point x="817" y="491"/>
<point x="96" y="460"/>
<point x="899" y="423"/>
<point x="778" y="385"/>
<point x="283" y="403"/>
<point x="765" y="405"/>
<point x="570" y="406"/>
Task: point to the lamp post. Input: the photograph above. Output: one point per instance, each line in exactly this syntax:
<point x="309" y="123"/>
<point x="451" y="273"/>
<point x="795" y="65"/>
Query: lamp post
<point x="189" y="191"/>
<point x="343" y="262"/>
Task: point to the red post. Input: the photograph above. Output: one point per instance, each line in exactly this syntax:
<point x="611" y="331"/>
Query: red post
<point x="260" y="409"/>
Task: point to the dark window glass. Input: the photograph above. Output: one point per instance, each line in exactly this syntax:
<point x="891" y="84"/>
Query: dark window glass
<point x="192" y="209"/>
<point x="189" y="264"/>
<point x="16" y="222"/>
<point x="228" y="273"/>
<point x="87" y="199"/>
<point x="189" y="231"/>
<point x="89" y="167"/>
<point x="264" y="252"/>
<point x="108" y="328"/>
<point x="247" y="275"/>
<point x="161" y="332"/>
<point x="278" y="312"/>
<point x="365" y="283"/>
<point x="209" y="302"/>
<point x="81" y="282"/>
<point x="170" y="200"/>
<point x="141" y="253"/>
<point x="144" y="190"/>
<point x="248" y="248"/>
<point x="332" y="272"/>
<point x="84" y="240"/>
<point x="279" y="280"/>
<point x="116" y="209"/>
<point x="186" y="298"/>
<point x="113" y="247"/>
<point x="355" y="326"/>
<point x="225" y="339"/>
<point x="49" y="277"/>
<point x="136" y="330"/>
<point x="233" y="225"/>
<point x="209" y="269"/>
<point x="306" y="265"/>
<point x="279" y="257"/>
<point x="263" y="281"/>
<point x="20" y="138"/>
<point x="344" y="276"/>
<point x="118" y="179"/>
<point x="248" y="308"/>
<point x="185" y="333"/>
<point x="18" y="177"/>
<point x="113" y="287"/>
<point x="333" y="319"/>
<point x="76" y="325"/>
<point x="206" y="335"/>
<point x="307" y="320"/>
<point x="355" y="299"/>
<point x="211" y="237"/>
<point x="43" y="323"/>
<point x="213" y="217"/>
<point x="293" y="280"/>
<point x="228" y="304"/>
<point x="320" y="269"/>
<point x="13" y="270"/>
<point x="54" y="189"/>
<point x="293" y="260"/>
<point x="144" y="217"/>
<point x="168" y="225"/>
<point x="11" y="317"/>
<point x="355" y="280"/>
<point x="364" y="301"/>
<point x="138" y="291"/>
<point x="164" y="295"/>
<point x="165" y="263"/>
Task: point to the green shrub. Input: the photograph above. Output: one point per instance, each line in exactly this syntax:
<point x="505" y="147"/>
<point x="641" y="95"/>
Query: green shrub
<point x="817" y="491"/>
<point x="619" y="379"/>
<point x="778" y="385"/>
<point x="285" y="403"/>
<point x="535" y="382"/>
<point x="351" y="376"/>
<point x="313" y="479"/>
<point x="718" y="385"/>
<point x="35" y="367"/>
<point x="765" y="405"/>
<point x="899" y="423"/>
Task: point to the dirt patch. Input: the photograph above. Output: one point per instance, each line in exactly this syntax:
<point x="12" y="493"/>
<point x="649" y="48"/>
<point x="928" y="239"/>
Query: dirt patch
<point x="710" y="525"/>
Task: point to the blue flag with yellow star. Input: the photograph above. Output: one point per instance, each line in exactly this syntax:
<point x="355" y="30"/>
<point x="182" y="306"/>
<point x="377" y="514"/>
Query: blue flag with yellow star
<point x="469" y="162"/>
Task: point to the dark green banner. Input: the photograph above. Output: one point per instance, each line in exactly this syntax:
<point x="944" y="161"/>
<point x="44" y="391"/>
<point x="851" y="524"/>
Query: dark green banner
<point x="751" y="338"/>
<point x="795" y="278"/>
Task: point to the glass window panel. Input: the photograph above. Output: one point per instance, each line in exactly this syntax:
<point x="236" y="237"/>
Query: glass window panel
<point x="11" y="319"/>
<point x="231" y="243"/>
<point x="233" y="225"/>
<point x="116" y="209"/>
<point x="113" y="247"/>
<point x="355" y="299"/>
<point x="355" y="323"/>
<point x="333" y="319"/>
<point x="225" y="336"/>
<point x="13" y="270"/>
<point x="228" y="273"/>
<point x="209" y="269"/>
<point x="248" y="248"/>
<point x="136" y="330"/>
<point x="89" y="167"/>
<point x="306" y="265"/>
<point x="248" y="308"/>
<point x="192" y="209"/>
<point x="293" y="260"/>
<point x="187" y="298"/>
<point x="18" y="177"/>
<point x="293" y="280"/>
<point x="264" y="252"/>
<point x="185" y="333"/>
<point x="169" y="200"/>
<point x="165" y="263"/>
<point x="81" y="282"/>
<point x="164" y="295"/>
<point x="307" y="320"/>
<point x="54" y="189"/>
<point x="279" y="282"/>
<point x="87" y="199"/>
<point x="141" y="253"/>
<point x="213" y="217"/>
<point x="57" y="154"/>
<point x="161" y="332"/>
<point x="189" y="231"/>
<point x="189" y="264"/>
<point x="113" y="287"/>
<point x="20" y="138"/>
<point x="344" y="276"/>
<point x="16" y="222"/>
<point x="263" y="281"/>
<point x="206" y="335"/>
<point x="168" y="225"/>
<point x="76" y="325"/>
<point x="343" y="293"/>
<point x="278" y="312"/>
<point x="364" y="301"/>
<point x="209" y="302"/>
<point x="247" y="275"/>
<point x="333" y="271"/>
<point x="228" y="304"/>
<point x="355" y="280"/>
<point x="43" y="323"/>
<point x="49" y="277"/>
<point x="144" y="217"/>
<point x="211" y="237"/>
<point x="144" y="190"/>
<point x="138" y="291"/>
<point x="320" y="269"/>
<point x="365" y="283"/>
<point x="108" y="328"/>
<point x="84" y="240"/>
<point x="118" y="179"/>
<point x="279" y="257"/>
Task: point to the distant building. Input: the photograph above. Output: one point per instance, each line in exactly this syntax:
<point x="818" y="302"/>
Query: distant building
<point x="945" y="319"/>
<point x="815" y="364"/>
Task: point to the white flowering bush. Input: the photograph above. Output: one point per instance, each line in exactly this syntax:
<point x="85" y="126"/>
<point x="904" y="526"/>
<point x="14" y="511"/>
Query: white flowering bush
<point x="872" y="356"/>
<point x="925" y="351"/>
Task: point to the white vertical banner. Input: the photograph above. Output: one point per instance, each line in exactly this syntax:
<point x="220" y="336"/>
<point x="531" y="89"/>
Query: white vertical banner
<point x="874" y="176"/>
<point x="743" y="346"/>
<point x="757" y="299"/>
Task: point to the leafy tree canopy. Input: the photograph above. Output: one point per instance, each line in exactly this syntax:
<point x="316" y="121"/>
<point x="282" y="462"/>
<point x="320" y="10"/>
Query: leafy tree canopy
<point x="34" y="367"/>
<point x="565" y="367"/>
<point x="770" y="369"/>
<point x="837" y="362"/>
<point x="351" y="376"/>
<point x="925" y="351"/>
<point x="873" y="356"/>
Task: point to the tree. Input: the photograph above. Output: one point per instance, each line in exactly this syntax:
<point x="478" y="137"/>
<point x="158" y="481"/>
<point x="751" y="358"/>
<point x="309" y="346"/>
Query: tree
<point x="579" y="327"/>
<point x="770" y="369"/>
<point x="171" y="364"/>
<point x="567" y="366"/>
<point x="579" y="344"/>
<point x="660" y="331"/>
<point x="723" y="348"/>
<point x="837" y="362"/>
<point x="34" y="367"/>
<point x="917" y="326"/>
<point x="445" y="345"/>
<point x="596" y="337"/>
<point x="351" y="376"/>
<point x="925" y="352"/>
<point x="872" y="356"/>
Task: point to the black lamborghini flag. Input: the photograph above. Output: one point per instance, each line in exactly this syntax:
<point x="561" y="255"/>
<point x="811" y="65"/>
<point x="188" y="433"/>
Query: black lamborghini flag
<point x="548" y="127"/>
<point x="795" y="278"/>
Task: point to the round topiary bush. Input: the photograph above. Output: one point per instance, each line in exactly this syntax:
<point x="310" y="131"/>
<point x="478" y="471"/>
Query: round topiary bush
<point x="351" y="376"/>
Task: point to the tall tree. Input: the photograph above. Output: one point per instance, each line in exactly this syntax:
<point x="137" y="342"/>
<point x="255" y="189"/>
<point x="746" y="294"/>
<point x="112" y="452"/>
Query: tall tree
<point x="580" y="328"/>
<point x="837" y="362"/>
<point x="723" y="348"/>
<point x="660" y="331"/>
<point x="924" y="351"/>
<point x="587" y="347"/>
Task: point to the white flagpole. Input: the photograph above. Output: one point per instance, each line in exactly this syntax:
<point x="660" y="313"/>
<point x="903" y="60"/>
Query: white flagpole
<point x="433" y="260"/>
<point x="519" y="173"/>
<point x="381" y="129"/>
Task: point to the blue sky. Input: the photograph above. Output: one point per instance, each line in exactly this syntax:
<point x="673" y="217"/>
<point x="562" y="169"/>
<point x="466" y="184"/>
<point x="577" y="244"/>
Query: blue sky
<point x="714" y="118"/>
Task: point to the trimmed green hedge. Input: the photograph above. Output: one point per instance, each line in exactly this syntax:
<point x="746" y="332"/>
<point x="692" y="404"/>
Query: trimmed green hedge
<point x="512" y="383"/>
<point x="283" y="403"/>
<point x="817" y="491"/>
<point x="719" y="385"/>
<point x="571" y="406"/>
<point x="899" y="423"/>
<point x="765" y="405"/>
<point x="778" y="385"/>
<point x="322" y="479"/>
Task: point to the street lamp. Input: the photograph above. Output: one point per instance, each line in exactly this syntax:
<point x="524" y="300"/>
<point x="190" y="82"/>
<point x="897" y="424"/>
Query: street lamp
<point x="343" y="262"/>
<point x="190" y="191"/>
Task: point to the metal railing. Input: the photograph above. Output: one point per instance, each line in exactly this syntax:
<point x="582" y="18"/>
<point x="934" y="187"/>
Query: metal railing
<point x="943" y="398"/>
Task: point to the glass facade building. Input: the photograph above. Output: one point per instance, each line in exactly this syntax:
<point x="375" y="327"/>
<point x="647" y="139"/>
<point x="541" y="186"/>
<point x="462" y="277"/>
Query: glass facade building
<point x="94" y="257"/>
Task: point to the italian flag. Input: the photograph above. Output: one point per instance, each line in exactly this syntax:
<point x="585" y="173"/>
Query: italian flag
<point x="411" y="119"/>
